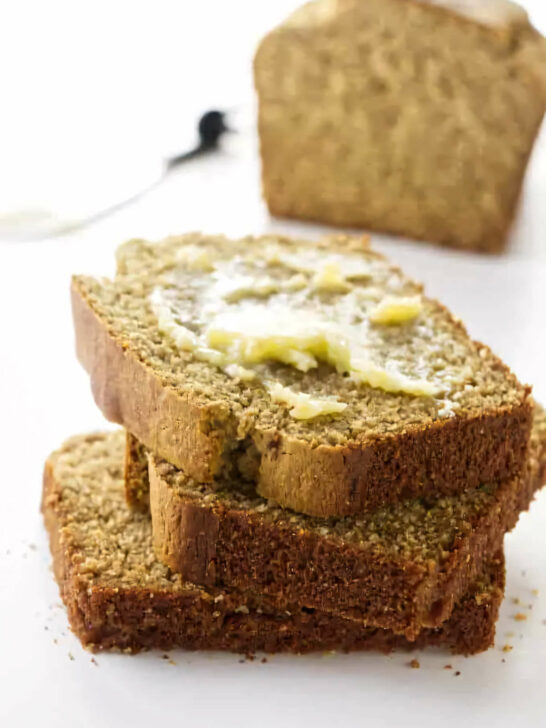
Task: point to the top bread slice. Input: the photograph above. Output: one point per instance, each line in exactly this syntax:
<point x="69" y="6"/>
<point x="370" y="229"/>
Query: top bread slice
<point x="466" y="421"/>
<point x="412" y="117"/>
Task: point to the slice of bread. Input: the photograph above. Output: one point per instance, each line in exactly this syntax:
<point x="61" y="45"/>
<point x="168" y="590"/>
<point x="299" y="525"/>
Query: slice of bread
<point x="402" y="567"/>
<point x="410" y="117"/>
<point x="119" y="596"/>
<point x="415" y="407"/>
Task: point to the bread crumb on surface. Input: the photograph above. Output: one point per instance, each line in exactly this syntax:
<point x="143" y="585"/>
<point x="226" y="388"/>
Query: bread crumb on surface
<point x="457" y="673"/>
<point x="415" y="664"/>
<point x="448" y="667"/>
<point x="507" y="648"/>
<point x="520" y="617"/>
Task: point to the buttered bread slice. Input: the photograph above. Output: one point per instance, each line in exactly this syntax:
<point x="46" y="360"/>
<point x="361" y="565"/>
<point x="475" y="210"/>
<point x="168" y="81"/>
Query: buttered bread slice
<point x="316" y="370"/>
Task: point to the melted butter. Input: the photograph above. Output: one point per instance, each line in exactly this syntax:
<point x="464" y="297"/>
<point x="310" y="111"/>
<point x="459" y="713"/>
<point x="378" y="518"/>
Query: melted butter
<point x="342" y="266"/>
<point x="238" y="372"/>
<point x="330" y="278"/>
<point x="254" y="334"/>
<point x="304" y="406"/>
<point x="167" y="324"/>
<point x="301" y="307"/>
<point x="391" y="381"/>
<point x="396" y="310"/>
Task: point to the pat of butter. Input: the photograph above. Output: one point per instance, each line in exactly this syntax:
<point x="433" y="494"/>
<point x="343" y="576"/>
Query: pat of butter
<point x="262" y="306"/>
<point x="211" y="355"/>
<point x="238" y="338"/>
<point x="396" y="310"/>
<point x="369" y="373"/>
<point x="238" y="372"/>
<point x="304" y="406"/>
<point x="182" y="336"/>
<point x="350" y="266"/>
<point x="254" y="335"/>
<point x="330" y="278"/>
<point x="248" y="287"/>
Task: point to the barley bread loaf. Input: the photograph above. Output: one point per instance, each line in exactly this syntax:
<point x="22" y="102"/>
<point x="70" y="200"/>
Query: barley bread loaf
<point x="316" y="370"/>
<point x="410" y="117"/>
<point x="119" y="596"/>
<point x="402" y="567"/>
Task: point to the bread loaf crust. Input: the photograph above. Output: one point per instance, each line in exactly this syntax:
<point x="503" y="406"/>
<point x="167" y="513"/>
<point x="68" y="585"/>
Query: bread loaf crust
<point x="331" y="100"/>
<point x="424" y="462"/>
<point x="129" y="393"/>
<point x="444" y="457"/>
<point x="107" y="617"/>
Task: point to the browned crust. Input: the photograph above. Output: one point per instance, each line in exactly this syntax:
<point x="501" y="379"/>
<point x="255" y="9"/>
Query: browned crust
<point x="238" y="548"/>
<point x="129" y="393"/>
<point x="445" y="457"/>
<point x="136" y="619"/>
<point x="448" y="457"/>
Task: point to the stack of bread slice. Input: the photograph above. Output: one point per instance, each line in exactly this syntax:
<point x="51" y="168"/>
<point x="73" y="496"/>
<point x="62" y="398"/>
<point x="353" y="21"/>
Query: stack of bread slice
<point x="316" y="456"/>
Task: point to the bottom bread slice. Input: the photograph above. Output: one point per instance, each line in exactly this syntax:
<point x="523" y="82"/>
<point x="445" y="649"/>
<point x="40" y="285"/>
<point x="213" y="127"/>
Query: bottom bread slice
<point x="119" y="596"/>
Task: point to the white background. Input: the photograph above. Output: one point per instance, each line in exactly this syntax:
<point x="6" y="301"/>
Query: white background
<point x="93" y="96"/>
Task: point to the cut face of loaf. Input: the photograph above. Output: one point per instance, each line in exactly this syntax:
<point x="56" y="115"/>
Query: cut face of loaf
<point x="369" y="392"/>
<point x="119" y="596"/>
<point x="413" y="118"/>
<point x="402" y="567"/>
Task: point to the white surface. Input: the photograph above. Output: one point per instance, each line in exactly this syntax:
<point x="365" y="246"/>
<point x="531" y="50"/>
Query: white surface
<point x="45" y="396"/>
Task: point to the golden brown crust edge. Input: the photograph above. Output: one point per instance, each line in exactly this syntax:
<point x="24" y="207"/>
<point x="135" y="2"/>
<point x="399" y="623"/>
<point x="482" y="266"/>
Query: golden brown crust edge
<point x="135" y="619"/>
<point x="449" y="456"/>
<point x="116" y="375"/>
